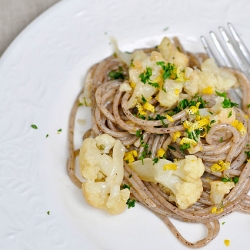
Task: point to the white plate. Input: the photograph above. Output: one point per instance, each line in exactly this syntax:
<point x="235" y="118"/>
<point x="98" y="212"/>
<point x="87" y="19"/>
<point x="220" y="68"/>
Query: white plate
<point x="40" y="75"/>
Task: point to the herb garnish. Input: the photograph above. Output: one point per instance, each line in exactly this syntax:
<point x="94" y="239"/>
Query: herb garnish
<point x="125" y="186"/>
<point x="34" y="126"/>
<point x="227" y="103"/>
<point x="130" y="203"/>
<point x="116" y="74"/>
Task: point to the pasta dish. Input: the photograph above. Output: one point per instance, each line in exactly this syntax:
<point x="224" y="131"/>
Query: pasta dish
<point x="167" y="131"/>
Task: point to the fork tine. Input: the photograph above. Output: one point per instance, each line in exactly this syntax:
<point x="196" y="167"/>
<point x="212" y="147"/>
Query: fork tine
<point x="208" y="50"/>
<point x="221" y="51"/>
<point x="231" y="48"/>
<point x="239" y="42"/>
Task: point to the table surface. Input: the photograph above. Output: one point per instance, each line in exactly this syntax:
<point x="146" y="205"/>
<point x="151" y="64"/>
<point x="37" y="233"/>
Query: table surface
<point x="16" y="15"/>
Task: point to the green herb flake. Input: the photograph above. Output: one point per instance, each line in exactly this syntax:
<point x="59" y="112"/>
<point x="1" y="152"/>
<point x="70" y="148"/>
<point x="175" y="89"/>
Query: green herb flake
<point x="230" y="114"/>
<point x="184" y="146"/>
<point x="130" y="203"/>
<point x="165" y="29"/>
<point x="47" y="135"/>
<point x="227" y="103"/>
<point x="145" y="76"/>
<point x="171" y="147"/>
<point x="223" y="223"/>
<point x="213" y="121"/>
<point x="248" y="105"/>
<point x="34" y="126"/>
<point x="48" y="213"/>
<point x="248" y="154"/>
<point x="221" y="139"/>
<point x="168" y="70"/>
<point x="80" y="104"/>
<point x="125" y="186"/>
<point x="235" y="179"/>
<point x="155" y="160"/>
<point x="116" y="74"/>
<point x="130" y="176"/>
<point x="59" y="130"/>
<point x="144" y="100"/>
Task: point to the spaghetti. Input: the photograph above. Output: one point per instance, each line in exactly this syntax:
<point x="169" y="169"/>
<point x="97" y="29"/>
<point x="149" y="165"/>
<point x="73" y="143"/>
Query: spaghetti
<point x="193" y="124"/>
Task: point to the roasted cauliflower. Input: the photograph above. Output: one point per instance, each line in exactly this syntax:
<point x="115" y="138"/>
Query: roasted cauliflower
<point x="182" y="178"/>
<point x="101" y="164"/>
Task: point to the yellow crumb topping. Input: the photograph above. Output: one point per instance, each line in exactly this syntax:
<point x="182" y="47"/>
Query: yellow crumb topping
<point x="149" y="107"/>
<point x="176" y="135"/>
<point x="169" y="118"/>
<point x="160" y="152"/>
<point x="220" y="166"/>
<point x="216" y="210"/>
<point x="188" y="140"/>
<point x="239" y="126"/>
<point x="170" y="166"/>
<point x="227" y="242"/>
<point x="209" y="90"/>
<point x="130" y="156"/>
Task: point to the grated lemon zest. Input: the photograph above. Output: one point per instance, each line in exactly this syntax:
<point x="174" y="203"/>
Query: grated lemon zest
<point x="209" y="90"/>
<point x="170" y="166"/>
<point x="160" y="152"/>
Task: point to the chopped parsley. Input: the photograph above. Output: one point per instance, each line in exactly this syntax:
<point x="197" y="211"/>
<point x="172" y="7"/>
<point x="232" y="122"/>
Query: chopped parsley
<point x="143" y="99"/>
<point x="230" y="114"/>
<point x="47" y="135"/>
<point x="59" y="130"/>
<point x="248" y="105"/>
<point x="184" y="146"/>
<point x="125" y="186"/>
<point x="155" y="160"/>
<point x="168" y="70"/>
<point x="116" y="74"/>
<point x="221" y="139"/>
<point x="248" y="154"/>
<point x="227" y="103"/>
<point x="193" y="102"/>
<point x="48" y="213"/>
<point x="145" y="76"/>
<point x="161" y="118"/>
<point x="130" y="203"/>
<point x="80" y="104"/>
<point x="138" y="134"/>
<point x="34" y="126"/>
<point x="130" y="176"/>
<point x="235" y="179"/>
<point x="223" y="223"/>
<point x="171" y="147"/>
<point x="213" y="121"/>
<point x="166" y="29"/>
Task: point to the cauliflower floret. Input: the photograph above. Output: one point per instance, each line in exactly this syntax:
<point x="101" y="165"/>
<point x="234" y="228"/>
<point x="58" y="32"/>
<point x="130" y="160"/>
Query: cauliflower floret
<point x="191" y="85"/>
<point x="191" y="168"/>
<point x="141" y="65"/>
<point x="172" y="54"/>
<point x="219" y="189"/>
<point x="181" y="177"/>
<point x="214" y="77"/>
<point x="218" y="114"/>
<point x="170" y="95"/>
<point x="104" y="174"/>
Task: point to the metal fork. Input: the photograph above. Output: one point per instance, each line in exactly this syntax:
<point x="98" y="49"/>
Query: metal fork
<point x="232" y="53"/>
<point x="232" y="50"/>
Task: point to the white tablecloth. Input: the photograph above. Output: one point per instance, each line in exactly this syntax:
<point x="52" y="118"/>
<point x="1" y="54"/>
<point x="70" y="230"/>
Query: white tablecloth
<point x="15" y="15"/>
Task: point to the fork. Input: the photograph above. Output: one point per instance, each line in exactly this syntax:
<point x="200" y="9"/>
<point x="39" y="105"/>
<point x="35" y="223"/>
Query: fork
<point x="233" y="53"/>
